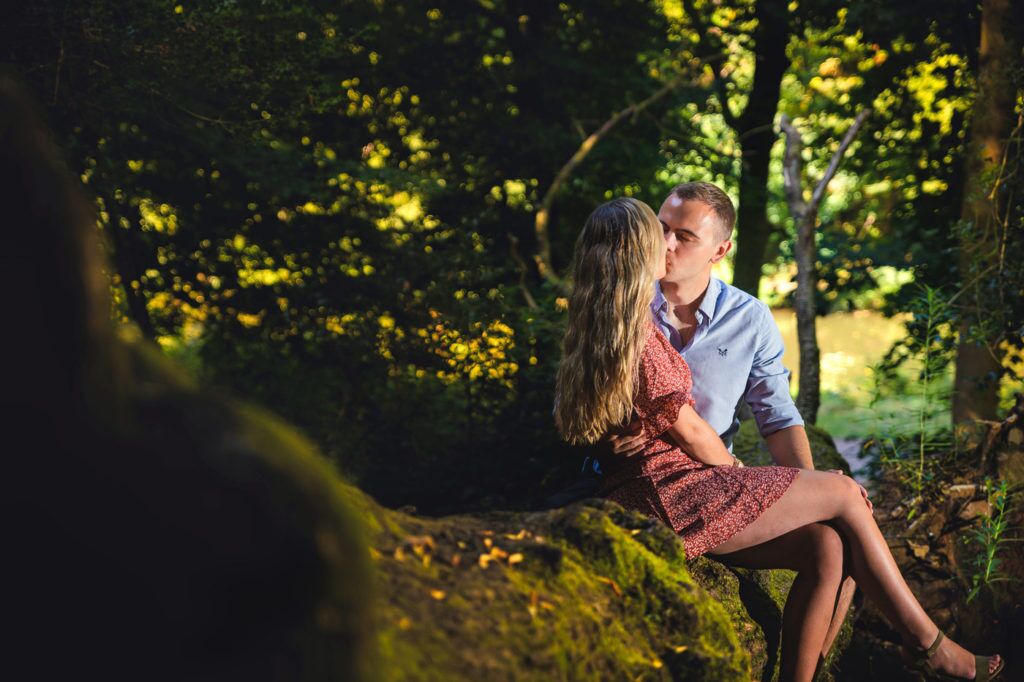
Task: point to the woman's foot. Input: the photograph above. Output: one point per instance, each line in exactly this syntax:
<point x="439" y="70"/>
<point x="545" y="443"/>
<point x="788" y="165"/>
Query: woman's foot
<point x="952" y="659"/>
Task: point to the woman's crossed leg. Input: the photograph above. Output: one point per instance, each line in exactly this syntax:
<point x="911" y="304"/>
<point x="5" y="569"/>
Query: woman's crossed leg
<point x="817" y="496"/>
<point x="815" y="552"/>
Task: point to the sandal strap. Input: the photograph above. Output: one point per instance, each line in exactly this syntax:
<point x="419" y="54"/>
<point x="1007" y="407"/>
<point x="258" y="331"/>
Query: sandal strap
<point x="980" y="668"/>
<point x="981" y="673"/>
<point x="935" y="645"/>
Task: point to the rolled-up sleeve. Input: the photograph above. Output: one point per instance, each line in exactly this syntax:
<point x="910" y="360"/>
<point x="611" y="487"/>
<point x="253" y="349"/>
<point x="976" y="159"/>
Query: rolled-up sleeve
<point x="768" y="383"/>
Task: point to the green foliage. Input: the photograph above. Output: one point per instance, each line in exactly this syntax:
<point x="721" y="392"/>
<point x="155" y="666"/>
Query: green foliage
<point x="330" y="206"/>
<point x="928" y="350"/>
<point x="990" y="538"/>
<point x="316" y="202"/>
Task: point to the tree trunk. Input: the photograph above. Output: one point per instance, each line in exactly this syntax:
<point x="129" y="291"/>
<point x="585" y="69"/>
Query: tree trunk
<point x="978" y="364"/>
<point x="808" y="398"/>
<point x="755" y="135"/>
<point x="805" y="219"/>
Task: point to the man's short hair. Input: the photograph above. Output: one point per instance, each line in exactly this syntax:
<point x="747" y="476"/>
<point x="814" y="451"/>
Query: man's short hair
<point x="714" y="197"/>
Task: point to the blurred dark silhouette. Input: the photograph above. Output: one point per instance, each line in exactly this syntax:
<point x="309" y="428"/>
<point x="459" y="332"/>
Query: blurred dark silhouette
<point x="150" y="530"/>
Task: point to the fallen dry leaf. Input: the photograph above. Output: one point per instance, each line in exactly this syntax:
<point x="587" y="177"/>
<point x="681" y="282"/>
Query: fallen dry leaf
<point x="420" y="543"/>
<point x="438" y="594"/>
<point x="532" y="606"/>
<point x="919" y="550"/>
<point x="611" y="583"/>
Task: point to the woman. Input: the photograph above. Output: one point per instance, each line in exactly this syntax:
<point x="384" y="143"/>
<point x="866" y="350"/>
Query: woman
<point x="618" y="366"/>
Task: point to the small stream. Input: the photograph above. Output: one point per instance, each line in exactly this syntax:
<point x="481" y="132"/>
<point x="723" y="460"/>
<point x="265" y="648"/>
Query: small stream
<point x="850" y="449"/>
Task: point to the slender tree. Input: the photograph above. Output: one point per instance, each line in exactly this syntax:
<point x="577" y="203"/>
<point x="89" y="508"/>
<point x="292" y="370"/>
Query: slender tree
<point x="983" y="211"/>
<point x="805" y="220"/>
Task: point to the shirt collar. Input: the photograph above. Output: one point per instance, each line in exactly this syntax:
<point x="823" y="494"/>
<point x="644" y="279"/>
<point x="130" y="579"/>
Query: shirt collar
<point x="659" y="305"/>
<point x="710" y="302"/>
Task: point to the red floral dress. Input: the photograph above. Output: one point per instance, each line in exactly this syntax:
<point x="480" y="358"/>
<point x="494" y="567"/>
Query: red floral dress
<point x="705" y="505"/>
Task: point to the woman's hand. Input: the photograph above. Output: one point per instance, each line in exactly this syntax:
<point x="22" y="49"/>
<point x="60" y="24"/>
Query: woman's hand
<point x="863" y="491"/>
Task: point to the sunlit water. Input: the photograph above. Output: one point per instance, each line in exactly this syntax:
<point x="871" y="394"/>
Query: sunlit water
<point x="850" y="343"/>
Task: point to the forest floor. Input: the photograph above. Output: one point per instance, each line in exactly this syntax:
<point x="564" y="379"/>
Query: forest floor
<point x="938" y="550"/>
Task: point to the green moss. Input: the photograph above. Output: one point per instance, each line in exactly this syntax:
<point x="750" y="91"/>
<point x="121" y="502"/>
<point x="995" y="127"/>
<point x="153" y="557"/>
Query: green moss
<point x="751" y="448"/>
<point x="589" y="592"/>
<point x="593" y="592"/>
<point x="249" y="553"/>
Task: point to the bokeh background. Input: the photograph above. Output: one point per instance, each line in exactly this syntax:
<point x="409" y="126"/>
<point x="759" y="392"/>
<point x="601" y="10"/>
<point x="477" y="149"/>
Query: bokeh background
<point x="360" y="213"/>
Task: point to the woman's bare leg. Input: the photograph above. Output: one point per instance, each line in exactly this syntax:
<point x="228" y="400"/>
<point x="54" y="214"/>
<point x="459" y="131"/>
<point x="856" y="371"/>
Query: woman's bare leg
<point x="815" y="552"/>
<point x="843" y="601"/>
<point x="816" y="496"/>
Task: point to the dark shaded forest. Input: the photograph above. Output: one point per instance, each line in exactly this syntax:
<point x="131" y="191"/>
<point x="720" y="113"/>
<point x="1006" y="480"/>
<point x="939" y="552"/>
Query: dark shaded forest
<point x="360" y="215"/>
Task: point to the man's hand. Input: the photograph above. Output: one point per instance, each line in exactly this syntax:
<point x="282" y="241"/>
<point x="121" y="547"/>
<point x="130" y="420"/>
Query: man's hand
<point x="863" y="491"/>
<point x="629" y="442"/>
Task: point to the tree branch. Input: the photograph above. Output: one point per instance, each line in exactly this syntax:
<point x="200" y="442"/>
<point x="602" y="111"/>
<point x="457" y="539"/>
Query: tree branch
<point x="693" y="139"/>
<point x="541" y="220"/>
<point x="513" y="247"/>
<point x="833" y="165"/>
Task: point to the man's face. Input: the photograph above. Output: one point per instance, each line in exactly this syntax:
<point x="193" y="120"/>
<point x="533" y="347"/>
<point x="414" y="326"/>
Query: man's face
<point x="697" y="244"/>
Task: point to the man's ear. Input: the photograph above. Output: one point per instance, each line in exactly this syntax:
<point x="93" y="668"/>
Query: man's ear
<point x="722" y="249"/>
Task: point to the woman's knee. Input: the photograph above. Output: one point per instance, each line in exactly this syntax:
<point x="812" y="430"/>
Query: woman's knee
<point x="848" y="493"/>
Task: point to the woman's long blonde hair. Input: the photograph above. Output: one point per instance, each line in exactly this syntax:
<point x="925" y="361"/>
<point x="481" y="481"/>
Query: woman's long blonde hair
<point x="615" y="260"/>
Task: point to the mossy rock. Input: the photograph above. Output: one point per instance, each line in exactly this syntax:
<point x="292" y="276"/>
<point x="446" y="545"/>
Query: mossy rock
<point x="589" y="591"/>
<point x="751" y="448"/>
<point x="200" y="536"/>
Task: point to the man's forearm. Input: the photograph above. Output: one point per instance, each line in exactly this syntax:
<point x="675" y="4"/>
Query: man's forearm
<point x="790" y="447"/>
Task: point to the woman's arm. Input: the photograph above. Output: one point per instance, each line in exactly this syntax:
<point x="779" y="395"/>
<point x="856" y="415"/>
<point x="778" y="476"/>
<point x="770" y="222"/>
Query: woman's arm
<point x="696" y="437"/>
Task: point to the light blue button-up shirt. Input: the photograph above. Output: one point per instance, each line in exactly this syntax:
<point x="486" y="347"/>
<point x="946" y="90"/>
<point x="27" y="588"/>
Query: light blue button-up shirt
<point x="735" y="354"/>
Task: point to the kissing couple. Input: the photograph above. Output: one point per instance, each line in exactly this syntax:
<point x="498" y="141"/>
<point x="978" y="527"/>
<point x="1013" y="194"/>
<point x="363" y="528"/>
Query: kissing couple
<point x="658" y="355"/>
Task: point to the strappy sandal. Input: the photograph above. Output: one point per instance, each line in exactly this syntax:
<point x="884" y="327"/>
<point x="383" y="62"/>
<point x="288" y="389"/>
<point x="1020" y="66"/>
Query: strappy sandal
<point x="922" y="664"/>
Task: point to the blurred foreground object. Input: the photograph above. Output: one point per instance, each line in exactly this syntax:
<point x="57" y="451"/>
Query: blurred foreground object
<point x="150" y="529"/>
